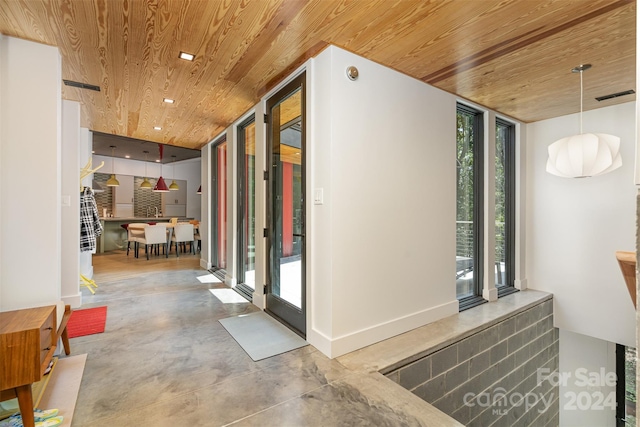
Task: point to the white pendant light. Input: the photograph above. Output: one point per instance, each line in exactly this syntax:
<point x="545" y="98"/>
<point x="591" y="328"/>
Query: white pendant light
<point x="112" y="181"/>
<point x="586" y="154"/>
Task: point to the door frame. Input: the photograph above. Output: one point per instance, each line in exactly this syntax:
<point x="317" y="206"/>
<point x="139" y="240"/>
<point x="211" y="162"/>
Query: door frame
<point x="277" y="307"/>
<point x="241" y="286"/>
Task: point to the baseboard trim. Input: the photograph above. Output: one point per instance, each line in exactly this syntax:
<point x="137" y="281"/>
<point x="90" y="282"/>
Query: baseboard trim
<point x="353" y="341"/>
<point x="74" y="301"/>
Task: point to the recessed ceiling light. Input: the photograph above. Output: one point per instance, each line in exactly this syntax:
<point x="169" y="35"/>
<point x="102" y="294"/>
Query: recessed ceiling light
<point x="186" y="56"/>
<point x="157" y="160"/>
<point x="157" y="128"/>
<point x="127" y="156"/>
<point x="93" y="151"/>
<point x="169" y="100"/>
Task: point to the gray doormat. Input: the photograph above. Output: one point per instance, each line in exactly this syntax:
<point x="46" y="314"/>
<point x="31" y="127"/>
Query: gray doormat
<point x="261" y="336"/>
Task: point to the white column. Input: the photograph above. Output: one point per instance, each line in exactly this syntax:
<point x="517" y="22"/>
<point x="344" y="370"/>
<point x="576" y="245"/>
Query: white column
<point x="205" y="220"/>
<point x="231" y="276"/>
<point x="489" y="291"/>
<point x="70" y="249"/>
<point x="30" y="177"/>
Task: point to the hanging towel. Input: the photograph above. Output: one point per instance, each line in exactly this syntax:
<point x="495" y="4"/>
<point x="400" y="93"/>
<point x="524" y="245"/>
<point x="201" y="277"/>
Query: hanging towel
<point x="90" y="226"/>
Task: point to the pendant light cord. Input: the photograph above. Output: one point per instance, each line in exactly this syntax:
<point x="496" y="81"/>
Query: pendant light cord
<point x="581" y="71"/>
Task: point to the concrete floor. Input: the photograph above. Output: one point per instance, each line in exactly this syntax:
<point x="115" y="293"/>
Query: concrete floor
<point x="165" y="360"/>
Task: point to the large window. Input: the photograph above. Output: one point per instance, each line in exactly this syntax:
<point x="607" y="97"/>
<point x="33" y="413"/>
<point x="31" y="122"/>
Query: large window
<point x="247" y="206"/>
<point x="469" y="206"/>
<point x="505" y="207"/>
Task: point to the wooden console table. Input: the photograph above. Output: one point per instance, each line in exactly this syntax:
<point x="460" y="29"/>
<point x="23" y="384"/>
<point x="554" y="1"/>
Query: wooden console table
<point x="28" y="339"/>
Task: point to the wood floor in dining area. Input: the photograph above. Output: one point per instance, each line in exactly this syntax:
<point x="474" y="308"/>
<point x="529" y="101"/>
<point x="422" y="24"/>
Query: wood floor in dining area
<point x="117" y="265"/>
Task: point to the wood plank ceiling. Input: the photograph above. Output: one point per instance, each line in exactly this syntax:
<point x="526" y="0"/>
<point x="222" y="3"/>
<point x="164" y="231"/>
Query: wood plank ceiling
<point x="511" y="56"/>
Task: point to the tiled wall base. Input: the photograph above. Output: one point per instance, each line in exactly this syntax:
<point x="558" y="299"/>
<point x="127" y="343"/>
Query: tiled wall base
<point x="502" y="375"/>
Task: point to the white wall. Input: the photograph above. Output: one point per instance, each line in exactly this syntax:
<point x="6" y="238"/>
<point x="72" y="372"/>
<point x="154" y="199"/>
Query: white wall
<point x="70" y="250"/>
<point x="583" y="359"/>
<point x="30" y="182"/>
<point x="189" y="170"/>
<point x="382" y="245"/>
<point x="86" y="146"/>
<point x="575" y="226"/>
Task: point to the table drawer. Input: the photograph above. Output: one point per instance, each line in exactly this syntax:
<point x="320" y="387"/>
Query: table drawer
<point x="47" y="336"/>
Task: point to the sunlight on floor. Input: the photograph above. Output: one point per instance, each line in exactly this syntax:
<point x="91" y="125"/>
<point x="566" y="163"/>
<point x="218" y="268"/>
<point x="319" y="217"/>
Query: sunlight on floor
<point x="228" y="296"/>
<point x="209" y="278"/>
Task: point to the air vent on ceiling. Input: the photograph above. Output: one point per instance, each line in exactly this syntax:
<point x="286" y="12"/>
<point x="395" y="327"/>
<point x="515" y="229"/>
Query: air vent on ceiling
<point x="81" y="85"/>
<point x="615" y="95"/>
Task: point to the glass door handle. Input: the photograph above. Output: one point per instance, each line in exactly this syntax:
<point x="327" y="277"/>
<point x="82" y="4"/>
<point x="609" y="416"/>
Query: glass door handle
<point x="298" y="235"/>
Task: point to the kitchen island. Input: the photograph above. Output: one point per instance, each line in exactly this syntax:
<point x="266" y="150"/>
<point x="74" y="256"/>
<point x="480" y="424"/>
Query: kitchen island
<point x="114" y="237"/>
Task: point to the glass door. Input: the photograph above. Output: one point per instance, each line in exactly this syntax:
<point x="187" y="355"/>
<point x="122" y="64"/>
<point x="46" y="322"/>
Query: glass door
<point x="285" y="205"/>
<point x="219" y="207"/>
<point x="247" y="207"/>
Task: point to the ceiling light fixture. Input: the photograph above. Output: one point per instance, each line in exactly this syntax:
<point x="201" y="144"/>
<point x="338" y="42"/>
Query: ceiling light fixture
<point x="586" y="154"/>
<point x="168" y="100"/>
<point x="145" y="183"/>
<point x="157" y="128"/>
<point x="174" y="185"/>
<point x="161" y="186"/>
<point x="112" y="182"/>
<point x="186" y="56"/>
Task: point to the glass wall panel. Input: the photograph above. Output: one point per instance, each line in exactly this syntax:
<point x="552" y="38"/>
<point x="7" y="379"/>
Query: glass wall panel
<point x="468" y="206"/>
<point x="505" y="204"/>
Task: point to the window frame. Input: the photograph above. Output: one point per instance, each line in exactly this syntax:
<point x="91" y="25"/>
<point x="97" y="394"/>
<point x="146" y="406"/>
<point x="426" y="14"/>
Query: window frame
<point x="478" y="207"/>
<point x="215" y="253"/>
<point x="510" y="207"/>
<point x="242" y="287"/>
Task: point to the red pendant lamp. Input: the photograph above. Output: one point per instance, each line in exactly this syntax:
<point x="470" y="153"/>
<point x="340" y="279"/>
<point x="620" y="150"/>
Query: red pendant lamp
<point x="161" y="186"/>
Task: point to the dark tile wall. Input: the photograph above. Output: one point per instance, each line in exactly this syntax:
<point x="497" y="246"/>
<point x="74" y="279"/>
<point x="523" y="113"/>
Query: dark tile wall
<point x="145" y="198"/>
<point x="492" y="377"/>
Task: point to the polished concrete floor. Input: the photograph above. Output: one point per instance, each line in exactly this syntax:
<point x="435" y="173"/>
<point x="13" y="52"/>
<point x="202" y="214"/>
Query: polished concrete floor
<point x="165" y="360"/>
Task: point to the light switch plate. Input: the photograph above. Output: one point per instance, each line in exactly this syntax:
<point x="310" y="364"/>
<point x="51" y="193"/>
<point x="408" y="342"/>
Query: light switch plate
<point x="66" y="200"/>
<point x="318" y="196"/>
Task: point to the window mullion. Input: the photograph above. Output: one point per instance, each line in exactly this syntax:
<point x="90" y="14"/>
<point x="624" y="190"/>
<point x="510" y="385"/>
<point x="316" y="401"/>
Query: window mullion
<point x="489" y="290"/>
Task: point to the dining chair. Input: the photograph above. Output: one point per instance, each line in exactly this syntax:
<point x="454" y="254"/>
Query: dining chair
<point x="182" y="233"/>
<point x="154" y="235"/>
<point x="135" y="235"/>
